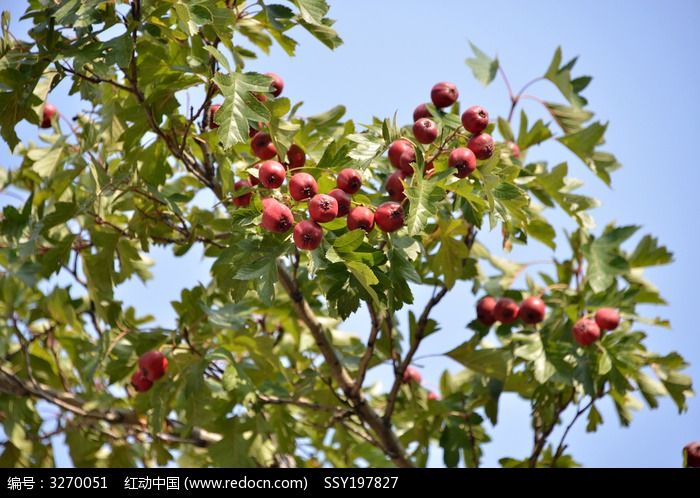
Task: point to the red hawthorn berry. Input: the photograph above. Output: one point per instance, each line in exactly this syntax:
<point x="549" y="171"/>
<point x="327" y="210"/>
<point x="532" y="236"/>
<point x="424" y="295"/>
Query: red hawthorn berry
<point x="485" y="310"/>
<point x="349" y="180"/>
<point x="395" y="187"/>
<point x="389" y="216"/>
<point x="308" y="235"/>
<point x="153" y="365"/>
<point x="47" y="115"/>
<point x="412" y="374"/>
<point x="532" y="310"/>
<point x="463" y="160"/>
<point x="506" y="310"/>
<point x="425" y="131"/>
<point x="277" y="84"/>
<point x="271" y="174"/>
<point x="212" y="111"/>
<point x="475" y="119"/>
<point x="481" y="145"/>
<point x="361" y="217"/>
<point x="343" y="199"/>
<point x="242" y="199"/>
<point x="261" y="145"/>
<point x="276" y="217"/>
<point x="296" y="157"/>
<point x="444" y="94"/>
<point x="607" y="318"/>
<point x="586" y="332"/>
<point x="140" y="382"/>
<point x="421" y="112"/>
<point x="302" y="186"/>
<point x="323" y="208"/>
<point x="396" y="149"/>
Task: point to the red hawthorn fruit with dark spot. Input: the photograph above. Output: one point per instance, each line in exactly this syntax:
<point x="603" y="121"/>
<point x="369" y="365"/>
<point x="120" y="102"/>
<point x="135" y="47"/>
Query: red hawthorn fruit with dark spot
<point x="475" y="119"/>
<point x="140" y="382"/>
<point x="361" y="217"/>
<point x="607" y="318"/>
<point x="277" y="84"/>
<point x="262" y="146"/>
<point x="425" y="131"/>
<point x="394" y="186"/>
<point x="586" y="332"/>
<point x="444" y="94"/>
<point x="389" y="216"/>
<point x="396" y="149"/>
<point x="412" y="374"/>
<point x="421" y="112"/>
<point x="532" y="310"/>
<point x="481" y="145"/>
<point x="323" y="208"/>
<point x="153" y="365"/>
<point x="302" y="186"/>
<point x="692" y="454"/>
<point x="47" y="115"/>
<point x="296" y="157"/>
<point x="276" y="217"/>
<point x="485" y="310"/>
<point x="307" y="235"/>
<point x="506" y="310"/>
<point x="212" y="111"/>
<point x="349" y="180"/>
<point x="242" y="199"/>
<point x="343" y="199"/>
<point x="463" y="160"/>
<point x="271" y="174"/>
<point x="429" y="170"/>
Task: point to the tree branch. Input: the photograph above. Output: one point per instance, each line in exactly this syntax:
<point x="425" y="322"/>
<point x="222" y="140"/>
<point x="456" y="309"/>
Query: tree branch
<point x="420" y="331"/>
<point x="383" y="431"/>
<point x="369" y="351"/>
<point x="13" y="385"/>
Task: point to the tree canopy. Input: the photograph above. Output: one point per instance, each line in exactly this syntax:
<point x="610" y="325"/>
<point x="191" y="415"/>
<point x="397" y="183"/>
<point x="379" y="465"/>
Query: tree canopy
<point x="258" y="371"/>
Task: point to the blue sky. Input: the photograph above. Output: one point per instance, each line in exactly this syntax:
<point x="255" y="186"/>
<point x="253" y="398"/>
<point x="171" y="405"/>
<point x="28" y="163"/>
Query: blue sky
<point x="643" y="56"/>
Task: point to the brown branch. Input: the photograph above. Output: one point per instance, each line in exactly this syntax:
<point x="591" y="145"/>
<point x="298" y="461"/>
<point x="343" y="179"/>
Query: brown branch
<point x="383" y="431"/>
<point x="13" y="385"/>
<point x="94" y="78"/>
<point x="418" y="337"/>
<point x="369" y="351"/>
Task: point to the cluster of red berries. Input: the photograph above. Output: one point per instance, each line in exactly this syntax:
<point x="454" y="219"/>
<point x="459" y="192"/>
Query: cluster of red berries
<point x="152" y="366"/>
<point x="412" y="374"/>
<point x="277" y="217"/>
<point x="531" y="311"/>
<point x="402" y="154"/>
<point x="587" y="331"/>
<point x="323" y="208"/>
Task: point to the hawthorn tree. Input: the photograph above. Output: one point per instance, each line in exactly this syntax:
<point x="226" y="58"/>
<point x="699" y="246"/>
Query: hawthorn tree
<point x="303" y="234"/>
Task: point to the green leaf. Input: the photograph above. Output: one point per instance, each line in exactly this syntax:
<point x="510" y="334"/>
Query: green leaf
<point x="483" y="66"/>
<point x="604" y="259"/>
<point x="491" y="362"/>
<point x="649" y="253"/>
<point x="560" y="75"/>
<point x="240" y="105"/>
<point x="570" y="119"/>
<point x="423" y="197"/>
